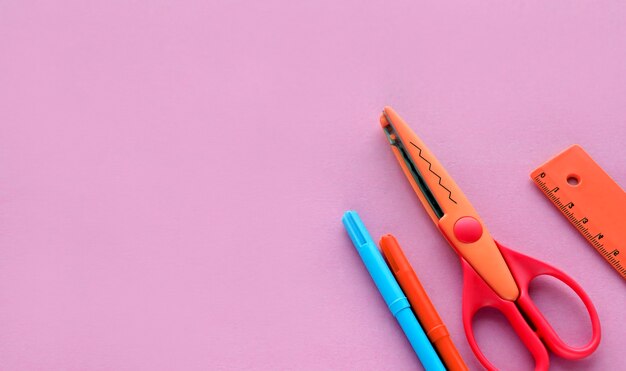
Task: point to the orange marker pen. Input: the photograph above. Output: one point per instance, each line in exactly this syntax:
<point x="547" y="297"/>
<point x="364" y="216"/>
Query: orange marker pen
<point x="424" y="310"/>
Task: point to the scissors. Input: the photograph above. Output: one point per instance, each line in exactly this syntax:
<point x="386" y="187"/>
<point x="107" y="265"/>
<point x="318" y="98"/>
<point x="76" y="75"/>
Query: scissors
<point x="493" y="275"/>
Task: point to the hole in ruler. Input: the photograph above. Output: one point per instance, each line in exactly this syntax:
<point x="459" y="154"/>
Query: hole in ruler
<point x="573" y="180"/>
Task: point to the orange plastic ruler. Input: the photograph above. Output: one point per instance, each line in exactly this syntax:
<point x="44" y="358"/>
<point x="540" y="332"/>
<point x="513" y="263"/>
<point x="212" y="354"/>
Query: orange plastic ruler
<point x="589" y="199"/>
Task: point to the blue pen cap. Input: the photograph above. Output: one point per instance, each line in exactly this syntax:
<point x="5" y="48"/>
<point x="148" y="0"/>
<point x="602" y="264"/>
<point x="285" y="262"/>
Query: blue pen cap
<point x="356" y="229"/>
<point x="375" y="263"/>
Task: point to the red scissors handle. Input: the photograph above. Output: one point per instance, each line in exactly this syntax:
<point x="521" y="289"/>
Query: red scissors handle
<point x="477" y="294"/>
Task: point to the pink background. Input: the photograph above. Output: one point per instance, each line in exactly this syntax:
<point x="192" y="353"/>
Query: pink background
<point x="173" y="174"/>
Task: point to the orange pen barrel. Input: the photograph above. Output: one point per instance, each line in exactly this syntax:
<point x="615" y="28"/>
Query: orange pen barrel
<point x="424" y="309"/>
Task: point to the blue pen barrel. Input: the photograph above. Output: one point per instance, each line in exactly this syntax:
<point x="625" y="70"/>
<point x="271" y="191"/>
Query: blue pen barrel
<point x="418" y="339"/>
<point x="390" y="290"/>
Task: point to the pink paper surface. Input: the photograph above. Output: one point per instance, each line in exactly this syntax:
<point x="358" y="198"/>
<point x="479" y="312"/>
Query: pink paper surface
<point x="173" y="174"/>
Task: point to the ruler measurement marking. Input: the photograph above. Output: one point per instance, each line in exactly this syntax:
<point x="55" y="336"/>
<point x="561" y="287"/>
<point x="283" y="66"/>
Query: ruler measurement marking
<point x="578" y="224"/>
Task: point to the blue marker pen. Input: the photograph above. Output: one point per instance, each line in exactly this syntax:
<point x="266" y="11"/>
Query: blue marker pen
<point x="391" y="291"/>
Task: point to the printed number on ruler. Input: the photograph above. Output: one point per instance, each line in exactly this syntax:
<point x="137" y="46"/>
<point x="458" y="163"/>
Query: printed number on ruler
<point x="589" y="199"/>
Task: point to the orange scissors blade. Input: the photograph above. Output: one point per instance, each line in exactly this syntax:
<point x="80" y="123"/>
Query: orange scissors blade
<point x="448" y="207"/>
